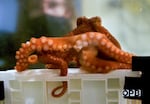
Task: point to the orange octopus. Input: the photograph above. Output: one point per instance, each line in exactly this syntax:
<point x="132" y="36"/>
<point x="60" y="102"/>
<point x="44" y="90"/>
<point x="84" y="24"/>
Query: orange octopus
<point x="90" y="45"/>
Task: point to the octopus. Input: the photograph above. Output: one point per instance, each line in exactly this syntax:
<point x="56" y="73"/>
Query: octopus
<point x="93" y="48"/>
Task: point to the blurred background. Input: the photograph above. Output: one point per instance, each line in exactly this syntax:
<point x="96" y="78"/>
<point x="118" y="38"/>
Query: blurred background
<point x="127" y="20"/>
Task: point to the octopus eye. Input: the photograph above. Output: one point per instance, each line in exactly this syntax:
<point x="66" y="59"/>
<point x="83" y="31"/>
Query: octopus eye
<point x="32" y="59"/>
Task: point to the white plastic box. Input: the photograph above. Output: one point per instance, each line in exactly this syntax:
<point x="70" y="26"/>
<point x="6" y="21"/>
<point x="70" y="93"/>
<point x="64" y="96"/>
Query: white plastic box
<point x="35" y="86"/>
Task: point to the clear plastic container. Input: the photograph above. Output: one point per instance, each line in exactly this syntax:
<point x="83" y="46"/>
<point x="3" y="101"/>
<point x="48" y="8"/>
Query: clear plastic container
<point x="35" y="86"/>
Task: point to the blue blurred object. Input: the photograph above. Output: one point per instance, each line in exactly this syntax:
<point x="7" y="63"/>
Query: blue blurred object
<point x="1" y="62"/>
<point x="8" y="15"/>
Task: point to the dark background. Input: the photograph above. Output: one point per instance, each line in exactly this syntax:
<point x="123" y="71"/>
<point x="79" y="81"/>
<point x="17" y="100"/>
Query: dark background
<point x="22" y="19"/>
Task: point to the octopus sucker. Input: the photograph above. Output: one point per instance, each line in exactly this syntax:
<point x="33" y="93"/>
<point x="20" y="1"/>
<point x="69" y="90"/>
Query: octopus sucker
<point x="83" y="37"/>
<point x="59" y="47"/>
<point x="85" y="57"/>
<point x="98" y="37"/>
<point x="50" y="42"/>
<point x="21" y="56"/>
<point x="65" y="46"/>
<point x="39" y="48"/>
<point x="45" y="47"/>
<point x="33" y="59"/>
<point x="79" y="42"/>
<point x="103" y="42"/>
<point x="112" y="49"/>
<point x="107" y="68"/>
<point x="43" y="39"/>
<point x="33" y="40"/>
<point x="91" y="35"/>
<point x="54" y="47"/>
<point x="85" y="43"/>
<point x="23" y="45"/>
<point x="17" y="57"/>
<point x="21" y="50"/>
<point x="99" y="69"/>
<point x="28" y="43"/>
<point x="93" y="67"/>
<point x="108" y="46"/>
<point x="17" y="52"/>
<point x="70" y="46"/>
<point x="33" y="47"/>
<point x="88" y="64"/>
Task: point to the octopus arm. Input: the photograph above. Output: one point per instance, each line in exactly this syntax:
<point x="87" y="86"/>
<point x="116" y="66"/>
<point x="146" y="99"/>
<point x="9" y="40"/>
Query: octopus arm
<point x="63" y="87"/>
<point x="91" y="63"/>
<point x="108" y="48"/>
<point x="56" y="62"/>
<point x="97" y="65"/>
